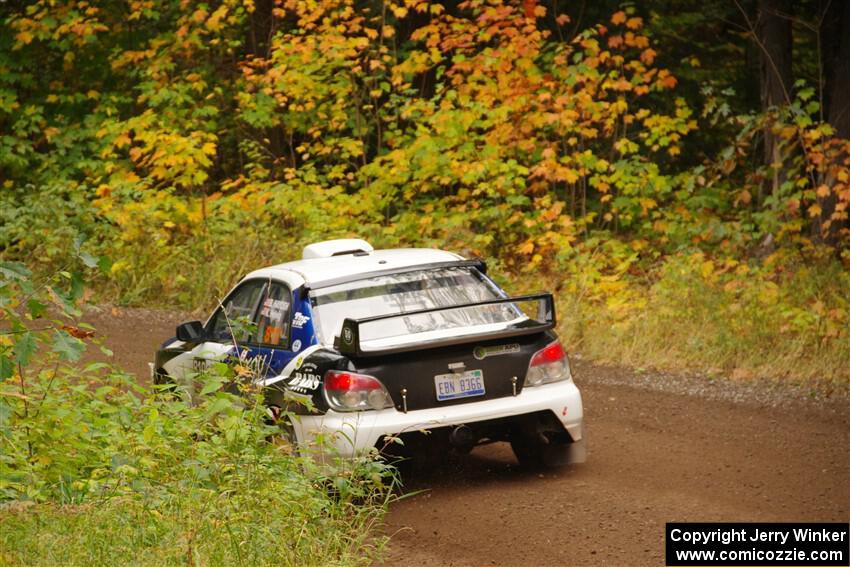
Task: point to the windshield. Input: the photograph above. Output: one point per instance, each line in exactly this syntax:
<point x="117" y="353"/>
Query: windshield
<point x="406" y="292"/>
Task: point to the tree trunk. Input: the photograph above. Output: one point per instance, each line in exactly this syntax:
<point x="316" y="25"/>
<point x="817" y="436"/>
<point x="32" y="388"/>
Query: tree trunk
<point x="839" y="89"/>
<point x="836" y="48"/>
<point x="261" y="28"/>
<point x="773" y="30"/>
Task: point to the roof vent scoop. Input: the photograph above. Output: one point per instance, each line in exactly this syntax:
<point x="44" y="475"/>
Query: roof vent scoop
<point x="338" y="247"/>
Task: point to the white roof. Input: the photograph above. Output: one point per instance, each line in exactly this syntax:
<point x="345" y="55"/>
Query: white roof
<point x="315" y="271"/>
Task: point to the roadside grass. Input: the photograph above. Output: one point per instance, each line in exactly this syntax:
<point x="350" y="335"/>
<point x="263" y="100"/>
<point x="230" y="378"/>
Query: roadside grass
<point x="720" y="319"/>
<point x="264" y="523"/>
<point x="184" y="275"/>
<point x="95" y="470"/>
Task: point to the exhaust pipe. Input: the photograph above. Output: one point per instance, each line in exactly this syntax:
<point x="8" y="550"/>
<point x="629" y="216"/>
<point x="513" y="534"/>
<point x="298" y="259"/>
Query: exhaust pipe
<point x="463" y="437"/>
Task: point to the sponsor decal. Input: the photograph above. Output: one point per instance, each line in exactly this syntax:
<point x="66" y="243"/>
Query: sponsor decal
<point x="274" y="308"/>
<point x="296" y="363"/>
<point x="248" y="364"/>
<point x="296" y="345"/>
<point x="305" y="379"/>
<point x="299" y="320"/>
<point x="258" y="364"/>
<point x="481" y="352"/>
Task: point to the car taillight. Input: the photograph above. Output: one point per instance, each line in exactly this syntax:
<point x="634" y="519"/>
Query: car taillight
<point x="349" y="391"/>
<point x="548" y="364"/>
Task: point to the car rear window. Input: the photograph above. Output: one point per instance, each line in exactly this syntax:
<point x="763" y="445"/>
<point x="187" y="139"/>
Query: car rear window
<point x="406" y="292"/>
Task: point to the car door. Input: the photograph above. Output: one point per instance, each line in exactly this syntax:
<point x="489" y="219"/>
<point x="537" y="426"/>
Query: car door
<point x="269" y="345"/>
<point x="227" y="333"/>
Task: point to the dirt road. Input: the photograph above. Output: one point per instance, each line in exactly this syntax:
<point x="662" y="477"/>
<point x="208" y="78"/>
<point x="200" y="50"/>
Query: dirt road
<point x="662" y="449"/>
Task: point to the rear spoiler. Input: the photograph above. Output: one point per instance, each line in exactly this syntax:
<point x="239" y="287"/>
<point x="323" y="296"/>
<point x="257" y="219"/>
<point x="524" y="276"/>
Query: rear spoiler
<point x="348" y="343"/>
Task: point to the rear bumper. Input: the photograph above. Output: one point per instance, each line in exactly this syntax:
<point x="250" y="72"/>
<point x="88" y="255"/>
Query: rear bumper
<point x="356" y="432"/>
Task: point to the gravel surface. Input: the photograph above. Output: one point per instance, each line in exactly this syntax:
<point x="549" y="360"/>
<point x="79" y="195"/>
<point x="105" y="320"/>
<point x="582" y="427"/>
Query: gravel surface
<point x="754" y="392"/>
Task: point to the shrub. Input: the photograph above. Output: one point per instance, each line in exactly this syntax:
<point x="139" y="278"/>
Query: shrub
<point x="95" y="469"/>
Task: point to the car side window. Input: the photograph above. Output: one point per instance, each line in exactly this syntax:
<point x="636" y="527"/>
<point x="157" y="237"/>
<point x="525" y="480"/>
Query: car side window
<point x="238" y="312"/>
<point x="273" y="319"/>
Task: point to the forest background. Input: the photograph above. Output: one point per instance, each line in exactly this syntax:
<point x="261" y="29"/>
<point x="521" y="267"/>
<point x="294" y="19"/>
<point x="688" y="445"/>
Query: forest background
<point x="675" y="170"/>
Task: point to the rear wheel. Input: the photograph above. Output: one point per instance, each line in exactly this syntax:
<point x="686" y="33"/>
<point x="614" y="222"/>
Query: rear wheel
<point x="535" y="453"/>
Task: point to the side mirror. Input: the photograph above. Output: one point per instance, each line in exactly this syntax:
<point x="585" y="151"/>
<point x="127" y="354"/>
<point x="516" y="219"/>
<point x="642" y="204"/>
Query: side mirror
<point x="191" y="332"/>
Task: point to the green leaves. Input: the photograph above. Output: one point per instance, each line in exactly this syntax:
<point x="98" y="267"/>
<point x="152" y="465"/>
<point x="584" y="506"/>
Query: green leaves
<point x="218" y="405"/>
<point x="89" y="260"/>
<point x="7" y="367"/>
<point x="213" y="384"/>
<point x="24" y="303"/>
<point x="36" y="308"/>
<point x="67" y="347"/>
<point x="14" y="271"/>
<point x="25" y="347"/>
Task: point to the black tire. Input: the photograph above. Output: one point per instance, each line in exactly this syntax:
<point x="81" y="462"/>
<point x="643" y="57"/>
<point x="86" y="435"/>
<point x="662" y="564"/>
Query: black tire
<point x="535" y="454"/>
<point x="164" y="386"/>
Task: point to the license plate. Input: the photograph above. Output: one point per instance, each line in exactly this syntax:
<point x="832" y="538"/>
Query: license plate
<point x="454" y="386"/>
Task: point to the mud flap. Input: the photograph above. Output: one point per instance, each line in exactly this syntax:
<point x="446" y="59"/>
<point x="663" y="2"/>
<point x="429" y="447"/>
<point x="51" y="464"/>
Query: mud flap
<point x="577" y="452"/>
<point x="561" y="455"/>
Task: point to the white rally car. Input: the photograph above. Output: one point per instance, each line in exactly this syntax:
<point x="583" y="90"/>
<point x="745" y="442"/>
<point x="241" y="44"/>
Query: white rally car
<point x="411" y="344"/>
